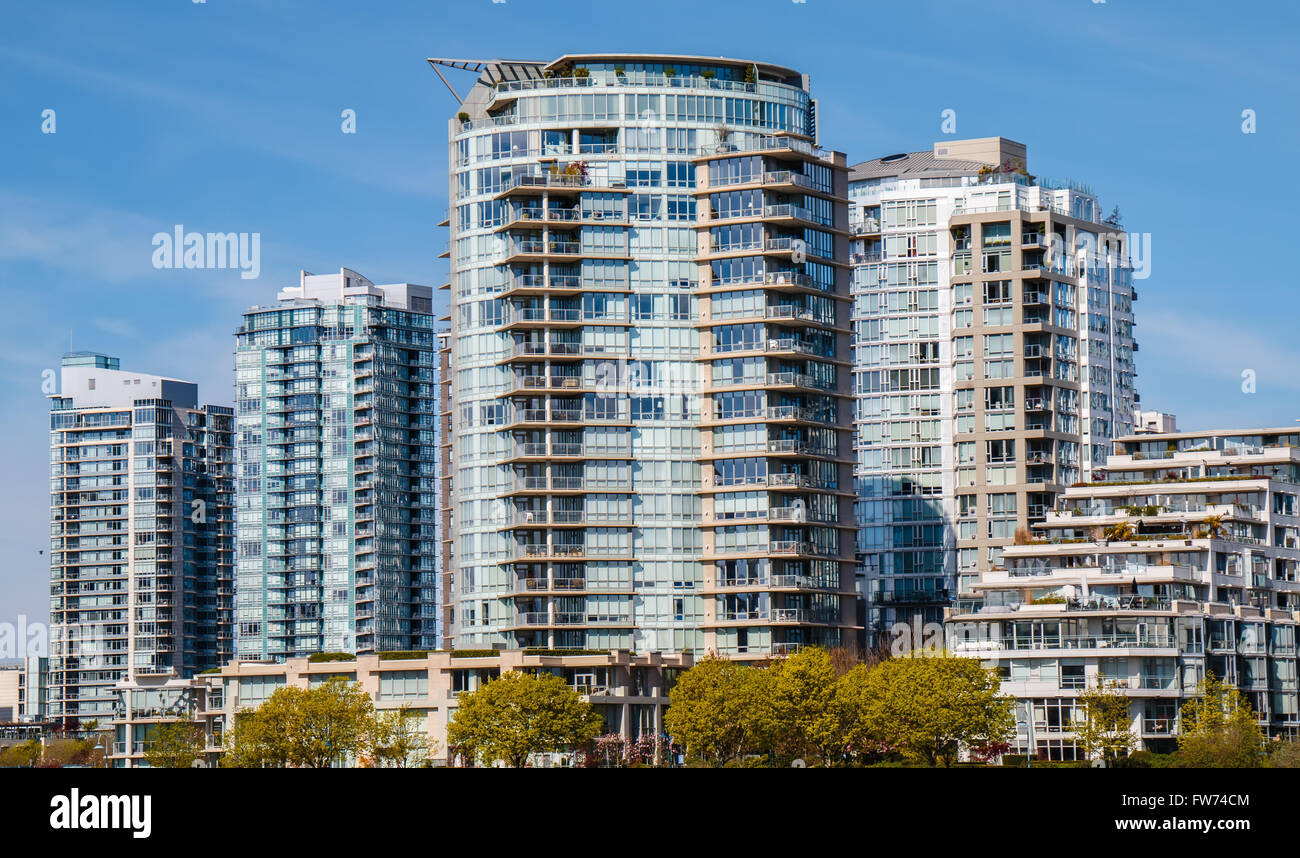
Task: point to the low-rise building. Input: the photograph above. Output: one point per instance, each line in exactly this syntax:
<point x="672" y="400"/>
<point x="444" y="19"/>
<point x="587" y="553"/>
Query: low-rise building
<point x="1184" y="561"/>
<point x="629" y="690"/>
<point x="23" y="690"/>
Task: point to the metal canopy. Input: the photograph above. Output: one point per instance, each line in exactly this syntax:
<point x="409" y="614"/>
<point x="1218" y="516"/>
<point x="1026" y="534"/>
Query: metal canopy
<point x="496" y="70"/>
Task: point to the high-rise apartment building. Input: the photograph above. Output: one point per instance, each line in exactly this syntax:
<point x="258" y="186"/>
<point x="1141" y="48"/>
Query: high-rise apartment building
<point x="647" y="366"/>
<point x="337" y="493"/>
<point x="993" y="358"/>
<point x="141" y="533"/>
<point x="1183" y="562"/>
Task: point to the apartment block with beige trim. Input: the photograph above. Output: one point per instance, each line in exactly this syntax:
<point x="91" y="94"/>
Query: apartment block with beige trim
<point x="993" y="357"/>
<point x="630" y="691"/>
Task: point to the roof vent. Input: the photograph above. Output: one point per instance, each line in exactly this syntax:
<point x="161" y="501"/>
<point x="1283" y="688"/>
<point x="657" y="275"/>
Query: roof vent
<point x="889" y="159"/>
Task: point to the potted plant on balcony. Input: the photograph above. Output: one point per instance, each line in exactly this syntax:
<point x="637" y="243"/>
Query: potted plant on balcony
<point x="1120" y="532"/>
<point x="581" y="73"/>
<point x="1211" y="527"/>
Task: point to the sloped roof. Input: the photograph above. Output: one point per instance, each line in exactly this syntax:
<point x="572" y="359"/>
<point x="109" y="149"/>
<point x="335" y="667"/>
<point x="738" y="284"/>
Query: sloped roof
<point x="913" y="164"/>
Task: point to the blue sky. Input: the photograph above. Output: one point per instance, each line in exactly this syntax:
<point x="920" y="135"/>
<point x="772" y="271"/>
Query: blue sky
<point x="225" y="116"/>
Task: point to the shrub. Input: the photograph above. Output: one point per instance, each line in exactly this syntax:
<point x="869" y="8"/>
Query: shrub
<point x="475" y="653"/>
<point x="318" y="657"/>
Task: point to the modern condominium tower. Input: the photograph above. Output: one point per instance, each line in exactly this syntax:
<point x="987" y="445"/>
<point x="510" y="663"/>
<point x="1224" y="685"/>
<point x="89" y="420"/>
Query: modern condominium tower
<point x="648" y="359"/>
<point x="141" y="533"/>
<point x="337" y="496"/>
<point x="994" y="361"/>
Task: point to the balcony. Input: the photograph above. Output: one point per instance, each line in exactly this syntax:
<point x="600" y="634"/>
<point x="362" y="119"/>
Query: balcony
<point x="540" y="284"/>
<point x="556" y="184"/>
<point x="798" y="379"/>
<point x="541" y="416"/>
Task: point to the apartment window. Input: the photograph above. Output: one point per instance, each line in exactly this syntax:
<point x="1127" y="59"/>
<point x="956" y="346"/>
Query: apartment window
<point x="1003" y="450"/>
<point x="403" y="684"/>
<point x="997" y="234"/>
<point x="997" y="292"/>
<point x="998" y="398"/>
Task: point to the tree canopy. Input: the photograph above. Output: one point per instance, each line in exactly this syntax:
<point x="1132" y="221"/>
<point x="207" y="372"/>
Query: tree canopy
<point x="320" y="727"/>
<point x="810" y="706"/>
<point x="1219" y="729"/>
<point x="519" y="714"/>
<point x="174" y="745"/>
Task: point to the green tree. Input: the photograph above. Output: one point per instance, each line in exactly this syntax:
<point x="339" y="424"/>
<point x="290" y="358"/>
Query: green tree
<point x="929" y="706"/>
<point x="399" y="739"/>
<point x="805" y="705"/>
<point x="519" y="714"/>
<point x="1103" y="726"/>
<point x="71" y="752"/>
<point x="174" y="745"/>
<point x="24" y="755"/>
<point x="1219" y="730"/>
<point x="721" y="710"/>
<point x="252" y="742"/>
<point x="1285" y="755"/>
<point x="304" y="728"/>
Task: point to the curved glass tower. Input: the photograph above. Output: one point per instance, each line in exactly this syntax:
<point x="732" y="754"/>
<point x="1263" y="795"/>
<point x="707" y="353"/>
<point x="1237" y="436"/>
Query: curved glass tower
<point x="648" y="318"/>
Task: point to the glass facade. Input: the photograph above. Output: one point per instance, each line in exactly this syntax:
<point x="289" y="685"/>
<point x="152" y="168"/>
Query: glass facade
<point x="141" y="534"/>
<point x="577" y="389"/>
<point x="337" y="498"/>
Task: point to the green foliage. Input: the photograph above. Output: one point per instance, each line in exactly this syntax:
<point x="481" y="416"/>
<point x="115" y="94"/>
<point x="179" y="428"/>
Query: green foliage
<point x="1105" y="729"/>
<point x="1284" y="755"/>
<point x="1146" y="760"/>
<point x="721" y="710"/>
<point x="305" y="728"/>
<point x="809" y="718"/>
<point x="1219" y="730"/>
<point x="174" y="745"/>
<point x="1121" y="532"/>
<point x="24" y="755"/>
<point x="805" y="706"/>
<point x="929" y="707"/>
<point x="519" y="714"/>
<point x="399" y="740"/>
<point x="71" y="752"/>
<point x="475" y="653"/>
<point x="318" y="657"/>
<point x="403" y="654"/>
